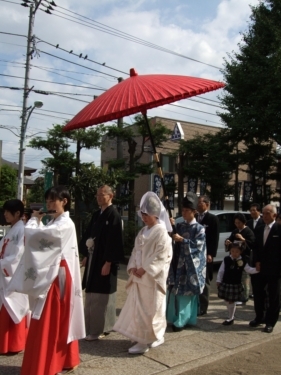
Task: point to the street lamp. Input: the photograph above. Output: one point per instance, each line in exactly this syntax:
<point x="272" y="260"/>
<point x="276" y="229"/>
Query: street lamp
<point x="37" y="104"/>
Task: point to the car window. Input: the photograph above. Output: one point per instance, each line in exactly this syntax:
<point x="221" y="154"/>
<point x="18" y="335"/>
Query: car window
<point x="223" y="223"/>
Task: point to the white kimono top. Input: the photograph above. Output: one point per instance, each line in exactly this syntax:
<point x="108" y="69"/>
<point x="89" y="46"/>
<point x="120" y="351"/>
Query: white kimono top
<point x="45" y="247"/>
<point x="11" y="250"/>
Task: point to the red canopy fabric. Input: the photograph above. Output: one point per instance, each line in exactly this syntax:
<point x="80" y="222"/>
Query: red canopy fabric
<point x="138" y="93"/>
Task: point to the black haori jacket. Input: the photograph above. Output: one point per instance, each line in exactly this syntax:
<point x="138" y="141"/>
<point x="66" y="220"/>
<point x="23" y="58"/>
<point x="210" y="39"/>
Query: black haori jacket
<point x="106" y="228"/>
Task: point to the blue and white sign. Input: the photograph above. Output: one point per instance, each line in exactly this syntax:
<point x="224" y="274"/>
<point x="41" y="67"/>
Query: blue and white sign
<point x="178" y="133"/>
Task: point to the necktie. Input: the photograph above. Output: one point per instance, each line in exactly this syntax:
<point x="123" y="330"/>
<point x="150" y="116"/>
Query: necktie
<point x="265" y="233"/>
<point x="254" y="224"/>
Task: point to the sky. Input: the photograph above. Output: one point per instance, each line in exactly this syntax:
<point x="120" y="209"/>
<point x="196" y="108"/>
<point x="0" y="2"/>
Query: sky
<point x="202" y="30"/>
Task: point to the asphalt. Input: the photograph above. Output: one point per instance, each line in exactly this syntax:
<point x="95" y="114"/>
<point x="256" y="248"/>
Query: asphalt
<point x="182" y="351"/>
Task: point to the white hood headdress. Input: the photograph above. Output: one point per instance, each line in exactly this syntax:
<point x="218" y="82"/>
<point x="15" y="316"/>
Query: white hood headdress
<point x="150" y="204"/>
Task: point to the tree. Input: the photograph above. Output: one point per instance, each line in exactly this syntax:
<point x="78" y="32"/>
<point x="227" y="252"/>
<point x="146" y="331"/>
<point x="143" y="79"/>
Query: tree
<point x="8" y="183"/>
<point x="253" y="78"/>
<point x="209" y="157"/>
<point x="251" y="95"/>
<point x="62" y="161"/>
<point x="85" y="185"/>
<point x="136" y="137"/>
<point x="36" y="192"/>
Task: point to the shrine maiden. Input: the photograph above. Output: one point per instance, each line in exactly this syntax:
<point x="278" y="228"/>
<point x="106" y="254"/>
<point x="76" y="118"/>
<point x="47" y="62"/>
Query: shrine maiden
<point x="14" y="306"/>
<point x="50" y="274"/>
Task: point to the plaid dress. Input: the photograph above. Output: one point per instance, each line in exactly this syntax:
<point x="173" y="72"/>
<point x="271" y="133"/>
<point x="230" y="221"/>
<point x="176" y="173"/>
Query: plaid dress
<point x="230" y="288"/>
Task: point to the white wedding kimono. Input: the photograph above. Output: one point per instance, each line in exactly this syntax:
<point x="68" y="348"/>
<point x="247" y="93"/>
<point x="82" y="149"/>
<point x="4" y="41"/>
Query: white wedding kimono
<point x="45" y="247"/>
<point x="11" y="250"/>
<point x="142" y="318"/>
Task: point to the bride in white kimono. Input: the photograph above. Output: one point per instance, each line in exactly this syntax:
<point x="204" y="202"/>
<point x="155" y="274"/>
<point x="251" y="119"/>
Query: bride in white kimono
<point x="49" y="273"/>
<point x="142" y="318"/>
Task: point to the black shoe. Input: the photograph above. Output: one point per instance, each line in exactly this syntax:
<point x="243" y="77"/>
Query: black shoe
<point x="177" y="329"/>
<point x="228" y="322"/>
<point x="268" y="329"/>
<point x="201" y="313"/>
<point x="251" y="296"/>
<point x="255" y="323"/>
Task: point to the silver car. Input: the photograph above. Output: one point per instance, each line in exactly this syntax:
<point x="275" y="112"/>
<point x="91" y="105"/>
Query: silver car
<point x="226" y="226"/>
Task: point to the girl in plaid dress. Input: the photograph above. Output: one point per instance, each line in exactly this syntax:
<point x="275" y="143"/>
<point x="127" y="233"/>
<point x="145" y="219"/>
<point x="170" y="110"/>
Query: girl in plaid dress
<point x="229" y="279"/>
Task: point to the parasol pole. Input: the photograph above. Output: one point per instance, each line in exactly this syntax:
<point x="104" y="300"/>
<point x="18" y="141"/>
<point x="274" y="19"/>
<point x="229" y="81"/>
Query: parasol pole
<point x="156" y="157"/>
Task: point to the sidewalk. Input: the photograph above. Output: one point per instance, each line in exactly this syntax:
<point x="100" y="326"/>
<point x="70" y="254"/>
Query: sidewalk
<point x="182" y="351"/>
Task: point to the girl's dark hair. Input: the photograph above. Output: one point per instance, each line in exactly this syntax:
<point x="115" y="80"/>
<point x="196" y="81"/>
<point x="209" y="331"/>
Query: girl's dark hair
<point x="59" y="192"/>
<point x="236" y="246"/>
<point x="240" y="217"/>
<point x="14" y="205"/>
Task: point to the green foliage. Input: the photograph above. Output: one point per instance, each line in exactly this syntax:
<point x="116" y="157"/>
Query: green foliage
<point x="62" y="162"/>
<point x="36" y="192"/>
<point x="8" y="183"/>
<point x="84" y="186"/>
<point x="137" y="137"/>
<point x="209" y="157"/>
<point x="252" y="94"/>
<point x="131" y="230"/>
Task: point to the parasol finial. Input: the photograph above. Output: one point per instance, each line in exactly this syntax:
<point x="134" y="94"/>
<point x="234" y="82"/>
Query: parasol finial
<point x="133" y="72"/>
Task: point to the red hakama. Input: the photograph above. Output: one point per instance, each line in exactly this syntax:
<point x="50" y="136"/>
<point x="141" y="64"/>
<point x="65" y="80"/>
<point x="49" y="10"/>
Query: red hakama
<point x="47" y="351"/>
<point x="12" y="335"/>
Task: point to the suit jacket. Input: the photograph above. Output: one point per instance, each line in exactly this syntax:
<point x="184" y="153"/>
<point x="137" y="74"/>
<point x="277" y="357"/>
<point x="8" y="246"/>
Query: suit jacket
<point x="269" y="254"/>
<point x="211" y="224"/>
<point x="250" y="224"/>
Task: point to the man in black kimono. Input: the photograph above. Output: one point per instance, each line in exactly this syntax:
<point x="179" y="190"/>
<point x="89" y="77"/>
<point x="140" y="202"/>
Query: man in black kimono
<point x="101" y="264"/>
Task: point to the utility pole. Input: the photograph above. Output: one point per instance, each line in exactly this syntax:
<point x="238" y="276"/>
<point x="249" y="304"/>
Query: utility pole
<point x="29" y="51"/>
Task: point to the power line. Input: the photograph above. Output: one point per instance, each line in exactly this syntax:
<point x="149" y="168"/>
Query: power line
<point x="191" y="109"/>
<point x="117" y="33"/>
<point x="57" y="83"/>
<point x="8" y="1"/>
<point x="3" y="32"/>
<point x="85" y="57"/>
<point x="46" y="92"/>
<point x="72" y="62"/>
<point x="12" y="44"/>
<point x="62" y="70"/>
<point x="182" y="114"/>
<point x="74" y="79"/>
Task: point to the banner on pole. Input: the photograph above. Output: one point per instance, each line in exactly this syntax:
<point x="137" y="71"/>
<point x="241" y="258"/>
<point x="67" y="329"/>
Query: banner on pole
<point x="203" y="186"/>
<point x="247" y="191"/>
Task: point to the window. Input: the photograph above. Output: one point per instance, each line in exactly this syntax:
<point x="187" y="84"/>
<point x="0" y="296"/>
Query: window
<point x="167" y="163"/>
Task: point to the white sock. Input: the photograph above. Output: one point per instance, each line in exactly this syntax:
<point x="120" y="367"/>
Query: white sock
<point x="231" y="307"/>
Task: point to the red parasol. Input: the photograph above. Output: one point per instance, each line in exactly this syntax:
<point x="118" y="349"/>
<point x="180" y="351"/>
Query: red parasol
<point x="138" y="94"/>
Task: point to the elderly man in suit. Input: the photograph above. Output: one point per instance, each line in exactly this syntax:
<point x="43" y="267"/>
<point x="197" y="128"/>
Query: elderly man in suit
<point x="211" y="224"/>
<point x="267" y="251"/>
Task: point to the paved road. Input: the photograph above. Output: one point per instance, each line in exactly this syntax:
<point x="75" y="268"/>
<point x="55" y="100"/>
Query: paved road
<point x="182" y="353"/>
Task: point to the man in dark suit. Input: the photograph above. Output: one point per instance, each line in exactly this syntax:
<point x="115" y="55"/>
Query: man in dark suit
<point x="267" y="252"/>
<point x="256" y="221"/>
<point x="211" y="224"/>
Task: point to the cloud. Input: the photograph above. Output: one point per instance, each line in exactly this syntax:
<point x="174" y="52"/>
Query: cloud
<point x="170" y="27"/>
